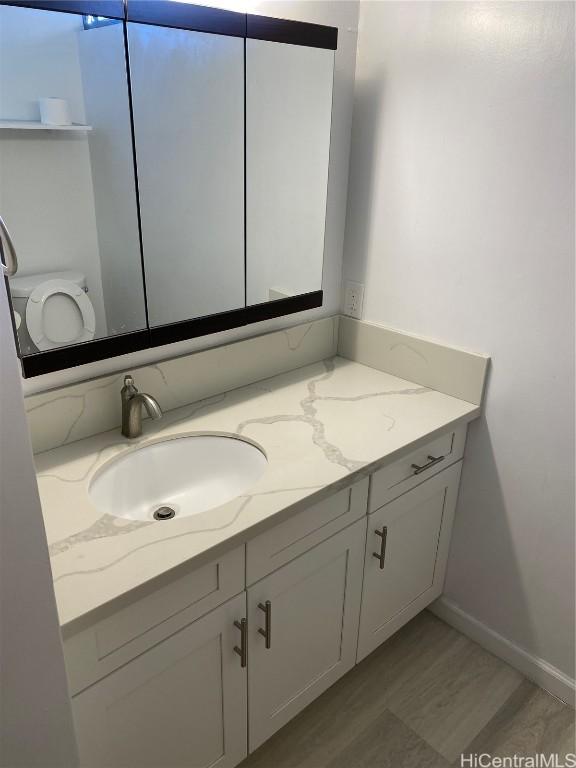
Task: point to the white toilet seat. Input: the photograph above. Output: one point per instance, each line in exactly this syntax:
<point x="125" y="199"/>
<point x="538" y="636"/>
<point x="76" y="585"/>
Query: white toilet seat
<point x="35" y="312"/>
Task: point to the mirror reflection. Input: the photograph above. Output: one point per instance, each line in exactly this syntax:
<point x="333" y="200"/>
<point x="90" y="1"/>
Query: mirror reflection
<point x="188" y="101"/>
<point x="153" y="176"/>
<point x="288" y="116"/>
<point x="67" y="189"/>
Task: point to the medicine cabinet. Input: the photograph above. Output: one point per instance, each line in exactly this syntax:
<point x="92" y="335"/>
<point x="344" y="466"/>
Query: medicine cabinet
<point x="163" y="172"/>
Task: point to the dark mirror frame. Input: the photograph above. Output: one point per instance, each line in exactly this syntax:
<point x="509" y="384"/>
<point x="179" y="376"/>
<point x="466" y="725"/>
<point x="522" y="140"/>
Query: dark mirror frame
<point x="199" y="19"/>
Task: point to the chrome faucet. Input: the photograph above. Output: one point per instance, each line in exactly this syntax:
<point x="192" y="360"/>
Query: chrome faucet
<point x="132" y="402"/>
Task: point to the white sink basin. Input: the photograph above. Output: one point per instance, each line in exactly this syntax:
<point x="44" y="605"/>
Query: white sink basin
<point x="188" y="475"/>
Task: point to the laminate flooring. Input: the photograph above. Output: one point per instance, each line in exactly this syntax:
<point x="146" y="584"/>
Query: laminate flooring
<point x="423" y="699"/>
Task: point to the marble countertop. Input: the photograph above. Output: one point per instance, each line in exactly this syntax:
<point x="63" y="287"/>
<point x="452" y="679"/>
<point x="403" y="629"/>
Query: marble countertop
<point x="321" y="427"/>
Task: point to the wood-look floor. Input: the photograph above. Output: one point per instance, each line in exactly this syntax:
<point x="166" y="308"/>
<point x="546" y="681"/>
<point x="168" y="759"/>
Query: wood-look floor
<point x="421" y="700"/>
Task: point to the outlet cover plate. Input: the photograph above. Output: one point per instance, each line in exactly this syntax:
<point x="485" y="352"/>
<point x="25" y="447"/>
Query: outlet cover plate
<point x="353" y="299"/>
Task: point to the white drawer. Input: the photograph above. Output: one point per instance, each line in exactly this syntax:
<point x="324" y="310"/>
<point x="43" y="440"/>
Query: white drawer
<point x="395" y="479"/>
<point x="111" y="642"/>
<point x="287" y="540"/>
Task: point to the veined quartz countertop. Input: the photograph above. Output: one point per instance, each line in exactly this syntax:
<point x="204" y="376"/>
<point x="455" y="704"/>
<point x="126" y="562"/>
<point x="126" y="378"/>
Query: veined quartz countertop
<point x="322" y="427"/>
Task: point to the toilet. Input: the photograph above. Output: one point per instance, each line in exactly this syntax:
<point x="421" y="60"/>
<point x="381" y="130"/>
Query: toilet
<point x="55" y="310"/>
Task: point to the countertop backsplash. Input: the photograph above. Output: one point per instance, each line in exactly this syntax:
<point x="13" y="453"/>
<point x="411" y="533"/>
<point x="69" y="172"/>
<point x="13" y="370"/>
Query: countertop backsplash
<point x="64" y="415"/>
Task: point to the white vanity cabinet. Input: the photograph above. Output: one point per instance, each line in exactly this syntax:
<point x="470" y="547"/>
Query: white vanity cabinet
<point x="181" y="703"/>
<point x="208" y="666"/>
<point x="303" y="627"/>
<point x="405" y="560"/>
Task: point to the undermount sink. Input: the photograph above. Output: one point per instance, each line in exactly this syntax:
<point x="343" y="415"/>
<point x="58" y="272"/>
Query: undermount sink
<point x="178" y="477"/>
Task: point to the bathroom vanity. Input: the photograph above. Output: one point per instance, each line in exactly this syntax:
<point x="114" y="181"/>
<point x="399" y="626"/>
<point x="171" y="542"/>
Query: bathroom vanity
<point x="190" y="641"/>
<point x="274" y="622"/>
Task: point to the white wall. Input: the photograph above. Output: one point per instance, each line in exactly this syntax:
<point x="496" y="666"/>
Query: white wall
<point x="46" y="195"/>
<point x="344" y="15"/>
<point x="461" y="225"/>
<point x="35" y="715"/>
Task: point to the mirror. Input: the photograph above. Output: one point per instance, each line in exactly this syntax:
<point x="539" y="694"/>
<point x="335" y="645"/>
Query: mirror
<point x="288" y="115"/>
<point x="188" y="102"/>
<point x="163" y="173"/>
<point x="67" y="188"/>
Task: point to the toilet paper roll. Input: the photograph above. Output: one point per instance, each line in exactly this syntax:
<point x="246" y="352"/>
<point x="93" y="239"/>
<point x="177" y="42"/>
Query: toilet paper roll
<point x="54" y="111"/>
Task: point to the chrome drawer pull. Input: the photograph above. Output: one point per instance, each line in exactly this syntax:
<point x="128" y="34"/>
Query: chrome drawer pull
<point x="267" y="631"/>
<point x="243" y="650"/>
<point x="432" y="460"/>
<point x="381" y="556"/>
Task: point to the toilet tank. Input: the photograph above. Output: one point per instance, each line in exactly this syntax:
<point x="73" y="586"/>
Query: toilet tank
<point x="23" y="285"/>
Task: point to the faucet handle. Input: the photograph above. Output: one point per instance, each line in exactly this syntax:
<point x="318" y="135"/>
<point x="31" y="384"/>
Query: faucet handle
<point x="129" y="388"/>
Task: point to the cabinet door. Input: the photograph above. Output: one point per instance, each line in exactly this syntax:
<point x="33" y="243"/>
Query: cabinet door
<point x="405" y="561"/>
<point x="288" y="116"/>
<point x="313" y="625"/>
<point x="182" y="703"/>
<point x="188" y="105"/>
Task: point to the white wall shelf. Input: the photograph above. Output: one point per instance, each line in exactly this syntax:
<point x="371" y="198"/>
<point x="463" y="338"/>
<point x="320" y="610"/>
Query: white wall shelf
<point x="35" y="125"/>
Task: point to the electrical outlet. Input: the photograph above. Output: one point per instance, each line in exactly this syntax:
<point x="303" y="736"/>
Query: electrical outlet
<point x="353" y="299"/>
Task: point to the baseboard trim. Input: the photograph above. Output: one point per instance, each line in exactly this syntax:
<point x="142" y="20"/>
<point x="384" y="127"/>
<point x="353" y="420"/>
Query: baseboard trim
<point x="539" y="671"/>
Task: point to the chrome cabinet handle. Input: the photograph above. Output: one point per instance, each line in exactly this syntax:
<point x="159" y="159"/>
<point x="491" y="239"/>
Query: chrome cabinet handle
<point x="267" y="631"/>
<point x="432" y="460"/>
<point x="7" y="251"/>
<point x="242" y="651"/>
<point x="381" y="556"/>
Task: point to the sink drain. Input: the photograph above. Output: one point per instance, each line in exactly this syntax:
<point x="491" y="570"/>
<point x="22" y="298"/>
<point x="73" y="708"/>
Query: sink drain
<point x="163" y="513"/>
